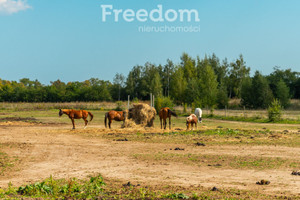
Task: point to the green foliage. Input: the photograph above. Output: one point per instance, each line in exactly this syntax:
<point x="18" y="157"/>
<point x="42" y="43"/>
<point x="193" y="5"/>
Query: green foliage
<point x="179" y="85"/>
<point x="61" y="188"/>
<point x="262" y="93"/>
<point x="257" y="119"/>
<point x="238" y="72"/>
<point x="135" y="100"/>
<point x="5" y="162"/>
<point x="247" y="98"/>
<point x="185" y="108"/>
<point x="119" y="106"/>
<point x="290" y="79"/>
<point x="274" y="111"/>
<point x="161" y="102"/>
<point x="255" y="92"/>
<point x="176" y="196"/>
<point x="206" y="81"/>
<point x="282" y="93"/>
<point x="222" y="97"/>
<point x="208" y="87"/>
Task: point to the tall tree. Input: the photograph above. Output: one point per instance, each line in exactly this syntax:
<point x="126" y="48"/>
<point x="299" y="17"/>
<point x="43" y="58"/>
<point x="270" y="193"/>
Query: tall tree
<point x="189" y="66"/>
<point x="238" y="71"/>
<point x="282" y="93"/>
<point x="288" y="76"/>
<point x="156" y="85"/>
<point x="179" y="85"/>
<point x="133" y="82"/>
<point x="261" y="91"/>
<point x="247" y="97"/>
<point x="167" y="73"/>
<point x="208" y="87"/>
<point x="119" y="82"/>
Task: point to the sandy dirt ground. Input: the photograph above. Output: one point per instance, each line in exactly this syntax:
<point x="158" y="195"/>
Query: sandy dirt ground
<point x="50" y="150"/>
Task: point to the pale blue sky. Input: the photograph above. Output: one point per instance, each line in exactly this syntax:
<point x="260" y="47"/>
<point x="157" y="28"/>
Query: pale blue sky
<point x="67" y="40"/>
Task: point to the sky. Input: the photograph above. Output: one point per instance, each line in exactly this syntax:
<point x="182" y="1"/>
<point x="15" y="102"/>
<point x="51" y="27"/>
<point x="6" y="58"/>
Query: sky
<point x="69" y="39"/>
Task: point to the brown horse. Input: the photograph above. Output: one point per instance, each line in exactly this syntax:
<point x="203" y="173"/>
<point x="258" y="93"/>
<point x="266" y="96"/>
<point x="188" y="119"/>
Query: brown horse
<point x="76" y="114"/>
<point x="165" y="113"/>
<point x="192" y="119"/>
<point x="114" y="115"/>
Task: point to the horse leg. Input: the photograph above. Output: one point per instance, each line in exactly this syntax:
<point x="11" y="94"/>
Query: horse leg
<point x="73" y="123"/>
<point x="196" y="126"/>
<point x="109" y="123"/>
<point x="192" y="126"/>
<point x="170" y="122"/>
<point x="86" y="122"/>
<point x="160" y="123"/>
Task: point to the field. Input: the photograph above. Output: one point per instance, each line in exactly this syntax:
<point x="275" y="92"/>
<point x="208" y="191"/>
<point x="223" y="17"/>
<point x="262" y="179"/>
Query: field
<point x="38" y="146"/>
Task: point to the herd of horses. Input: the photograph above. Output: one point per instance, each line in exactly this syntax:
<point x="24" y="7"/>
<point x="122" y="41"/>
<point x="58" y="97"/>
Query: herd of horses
<point x="164" y="114"/>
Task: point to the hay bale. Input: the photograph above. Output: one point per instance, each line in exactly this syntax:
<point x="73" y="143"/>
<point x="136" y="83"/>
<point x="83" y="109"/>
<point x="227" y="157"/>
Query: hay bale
<point x="128" y="124"/>
<point x="142" y="114"/>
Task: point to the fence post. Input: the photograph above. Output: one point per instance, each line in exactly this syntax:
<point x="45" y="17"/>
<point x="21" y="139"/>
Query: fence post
<point x="151" y="100"/>
<point x="225" y="111"/>
<point x="244" y="112"/>
<point x="128" y="101"/>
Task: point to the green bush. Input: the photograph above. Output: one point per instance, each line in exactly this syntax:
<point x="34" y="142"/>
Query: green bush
<point x="119" y="106"/>
<point x="185" y="108"/>
<point x="274" y="111"/>
<point x="135" y="100"/>
<point x="161" y="102"/>
<point x="74" y="188"/>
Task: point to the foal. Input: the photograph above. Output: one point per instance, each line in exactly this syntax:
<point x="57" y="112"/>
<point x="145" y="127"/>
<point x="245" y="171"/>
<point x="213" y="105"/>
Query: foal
<point x="192" y="119"/>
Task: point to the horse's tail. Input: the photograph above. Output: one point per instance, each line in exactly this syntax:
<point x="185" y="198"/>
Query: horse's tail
<point x="105" y="119"/>
<point x="172" y="112"/>
<point x="91" y="115"/>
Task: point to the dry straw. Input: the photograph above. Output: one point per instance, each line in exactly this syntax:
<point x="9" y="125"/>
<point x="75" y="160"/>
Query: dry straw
<point x="141" y="114"/>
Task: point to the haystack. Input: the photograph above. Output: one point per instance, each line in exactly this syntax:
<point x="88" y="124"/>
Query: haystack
<point x="129" y="123"/>
<point x="141" y="114"/>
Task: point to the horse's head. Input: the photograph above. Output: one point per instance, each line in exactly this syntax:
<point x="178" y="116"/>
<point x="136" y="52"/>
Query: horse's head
<point x="60" y="112"/>
<point x="200" y="119"/>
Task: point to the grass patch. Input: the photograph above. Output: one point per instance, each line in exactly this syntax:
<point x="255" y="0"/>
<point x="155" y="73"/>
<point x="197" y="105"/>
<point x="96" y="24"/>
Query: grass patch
<point x="256" y="119"/>
<point x="5" y="162"/>
<point x="59" y="189"/>
<point x="210" y="137"/>
<point x="98" y="188"/>
<point x="221" y="161"/>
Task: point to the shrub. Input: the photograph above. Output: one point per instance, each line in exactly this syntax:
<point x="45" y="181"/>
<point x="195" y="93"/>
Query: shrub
<point x="135" y="100"/>
<point x="274" y="111"/>
<point x="119" y="106"/>
<point x="161" y="102"/>
<point x="185" y="108"/>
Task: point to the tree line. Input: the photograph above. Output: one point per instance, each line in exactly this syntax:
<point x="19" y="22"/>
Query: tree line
<point x="204" y="82"/>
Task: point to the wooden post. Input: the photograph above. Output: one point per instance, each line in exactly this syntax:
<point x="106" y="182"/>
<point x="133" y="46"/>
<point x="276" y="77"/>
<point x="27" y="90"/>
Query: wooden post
<point x="244" y="112"/>
<point x="153" y="101"/>
<point x="225" y="111"/>
<point x="128" y="101"/>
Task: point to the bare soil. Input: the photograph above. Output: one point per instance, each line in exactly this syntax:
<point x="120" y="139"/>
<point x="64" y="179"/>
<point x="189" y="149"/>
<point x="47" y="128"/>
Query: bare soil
<point x="44" y="150"/>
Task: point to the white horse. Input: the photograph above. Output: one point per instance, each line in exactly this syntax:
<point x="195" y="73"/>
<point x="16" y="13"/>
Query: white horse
<point x="198" y="113"/>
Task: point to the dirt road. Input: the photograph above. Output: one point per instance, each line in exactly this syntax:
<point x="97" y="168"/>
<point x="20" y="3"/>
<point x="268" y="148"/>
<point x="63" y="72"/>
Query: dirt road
<point x="47" y="150"/>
